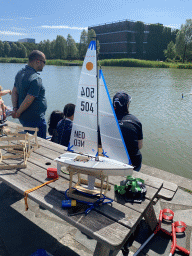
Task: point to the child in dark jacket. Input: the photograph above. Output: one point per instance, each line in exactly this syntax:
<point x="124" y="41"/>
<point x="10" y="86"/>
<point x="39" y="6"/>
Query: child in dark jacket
<point x="54" y="119"/>
<point x="65" y="125"/>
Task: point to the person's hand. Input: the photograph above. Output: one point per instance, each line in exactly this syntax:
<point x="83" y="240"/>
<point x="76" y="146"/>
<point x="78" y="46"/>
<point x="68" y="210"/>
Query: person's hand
<point x="10" y="92"/>
<point x="15" y="114"/>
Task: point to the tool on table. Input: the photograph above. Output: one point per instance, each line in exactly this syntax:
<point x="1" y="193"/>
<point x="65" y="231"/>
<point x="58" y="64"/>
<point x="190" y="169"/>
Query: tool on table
<point x="84" y="206"/>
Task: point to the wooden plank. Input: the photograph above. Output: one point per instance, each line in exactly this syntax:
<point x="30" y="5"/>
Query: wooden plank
<point x="96" y="225"/>
<point x="14" y="138"/>
<point x="168" y="190"/>
<point x="101" y="250"/>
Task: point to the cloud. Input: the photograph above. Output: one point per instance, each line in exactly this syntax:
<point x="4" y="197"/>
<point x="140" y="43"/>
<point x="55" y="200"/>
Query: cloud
<point x="62" y="27"/>
<point x="20" y="18"/>
<point x="174" y="26"/>
<point x="11" y="33"/>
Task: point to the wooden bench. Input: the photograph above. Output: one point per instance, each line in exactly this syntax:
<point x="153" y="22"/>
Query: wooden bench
<point x="110" y="225"/>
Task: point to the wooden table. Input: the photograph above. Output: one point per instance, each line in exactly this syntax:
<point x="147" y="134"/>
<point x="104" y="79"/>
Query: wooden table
<point x="111" y="225"/>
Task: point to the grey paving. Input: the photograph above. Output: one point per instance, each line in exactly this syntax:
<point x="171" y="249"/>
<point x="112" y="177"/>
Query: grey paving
<point x="22" y="233"/>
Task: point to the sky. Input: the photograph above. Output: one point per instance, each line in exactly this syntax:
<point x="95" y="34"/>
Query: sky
<point x="45" y="19"/>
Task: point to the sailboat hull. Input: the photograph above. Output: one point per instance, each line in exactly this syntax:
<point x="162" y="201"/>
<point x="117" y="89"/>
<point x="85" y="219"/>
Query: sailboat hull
<point x="107" y="166"/>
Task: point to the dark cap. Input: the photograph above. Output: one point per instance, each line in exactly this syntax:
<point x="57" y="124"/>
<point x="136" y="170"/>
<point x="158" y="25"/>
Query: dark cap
<point x="122" y="98"/>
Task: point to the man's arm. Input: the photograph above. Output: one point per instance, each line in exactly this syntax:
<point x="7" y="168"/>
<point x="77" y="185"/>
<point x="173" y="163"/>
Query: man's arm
<point x="14" y="99"/>
<point x="140" y="144"/>
<point x="25" y="104"/>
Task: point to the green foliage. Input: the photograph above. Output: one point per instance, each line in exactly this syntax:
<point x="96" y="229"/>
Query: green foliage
<point x="185" y="66"/>
<point x="60" y="48"/>
<point x="133" y="63"/>
<point x="184" y="41"/>
<point x="83" y="44"/>
<point x="1" y="49"/>
<point x="72" y="51"/>
<point x="13" y="60"/>
<point x="170" y="52"/>
<point x="7" y="49"/>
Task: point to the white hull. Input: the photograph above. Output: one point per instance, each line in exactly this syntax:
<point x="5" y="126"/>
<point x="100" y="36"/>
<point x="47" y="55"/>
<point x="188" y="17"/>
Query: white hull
<point x="109" y="167"/>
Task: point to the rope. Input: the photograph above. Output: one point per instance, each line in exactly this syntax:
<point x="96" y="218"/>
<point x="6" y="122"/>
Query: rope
<point x="33" y="189"/>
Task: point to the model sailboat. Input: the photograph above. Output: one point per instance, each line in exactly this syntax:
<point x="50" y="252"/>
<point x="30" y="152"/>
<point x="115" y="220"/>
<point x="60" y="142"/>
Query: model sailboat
<point x="89" y="115"/>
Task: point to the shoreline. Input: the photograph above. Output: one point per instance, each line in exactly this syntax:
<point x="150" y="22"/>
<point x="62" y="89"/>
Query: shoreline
<point x="108" y="62"/>
<point x="182" y="182"/>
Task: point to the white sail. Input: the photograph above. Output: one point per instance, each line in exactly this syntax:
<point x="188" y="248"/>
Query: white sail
<point x="84" y="132"/>
<point x="111" y="137"/>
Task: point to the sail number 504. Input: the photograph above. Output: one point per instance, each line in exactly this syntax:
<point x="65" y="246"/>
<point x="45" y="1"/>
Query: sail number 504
<point x="87" y="106"/>
<point x="87" y="92"/>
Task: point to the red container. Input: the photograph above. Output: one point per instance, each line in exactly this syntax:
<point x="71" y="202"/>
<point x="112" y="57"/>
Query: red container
<point x="52" y="173"/>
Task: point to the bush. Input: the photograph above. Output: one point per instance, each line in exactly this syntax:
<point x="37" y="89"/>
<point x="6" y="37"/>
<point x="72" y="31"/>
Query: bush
<point x="185" y="66"/>
<point x="133" y="63"/>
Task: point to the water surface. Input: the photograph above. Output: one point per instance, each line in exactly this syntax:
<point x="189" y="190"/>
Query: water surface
<point x="156" y="100"/>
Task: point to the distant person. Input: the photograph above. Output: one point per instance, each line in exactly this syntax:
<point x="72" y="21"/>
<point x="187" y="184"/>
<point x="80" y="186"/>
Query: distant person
<point x="65" y="125"/>
<point x="131" y="128"/>
<point x="28" y="95"/>
<point x="54" y="119"/>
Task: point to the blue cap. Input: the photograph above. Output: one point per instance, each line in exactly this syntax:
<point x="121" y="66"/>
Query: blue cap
<point x="122" y="98"/>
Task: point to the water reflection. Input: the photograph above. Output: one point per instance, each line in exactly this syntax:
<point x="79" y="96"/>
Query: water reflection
<point x="156" y="101"/>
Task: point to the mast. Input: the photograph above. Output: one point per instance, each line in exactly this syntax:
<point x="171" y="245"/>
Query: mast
<point x="97" y="157"/>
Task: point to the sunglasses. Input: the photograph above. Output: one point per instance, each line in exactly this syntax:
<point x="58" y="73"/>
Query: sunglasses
<point x="43" y="61"/>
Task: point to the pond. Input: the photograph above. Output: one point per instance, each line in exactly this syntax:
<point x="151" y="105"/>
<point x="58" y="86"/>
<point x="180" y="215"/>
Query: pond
<point x="157" y="101"/>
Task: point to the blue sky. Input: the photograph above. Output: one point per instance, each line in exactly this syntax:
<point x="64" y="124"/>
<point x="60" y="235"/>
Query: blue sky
<point x="45" y="19"/>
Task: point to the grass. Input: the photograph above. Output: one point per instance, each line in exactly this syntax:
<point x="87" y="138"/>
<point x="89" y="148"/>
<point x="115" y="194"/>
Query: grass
<point x="108" y="62"/>
<point x="134" y="63"/>
<point x="13" y="60"/>
<point x="64" y="62"/>
<point x="186" y="190"/>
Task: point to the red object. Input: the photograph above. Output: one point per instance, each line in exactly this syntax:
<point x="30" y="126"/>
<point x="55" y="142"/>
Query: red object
<point x="177" y="227"/>
<point x="52" y="173"/>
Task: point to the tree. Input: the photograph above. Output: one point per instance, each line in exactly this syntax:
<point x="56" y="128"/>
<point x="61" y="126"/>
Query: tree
<point x="166" y="39"/>
<point x="72" y="51"/>
<point x="52" y="47"/>
<point x="7" y="49"/>
<point x="184" y="40"/>
<point x="47" y="49"/>
<point x="1" y="49"/>
<point x="91" y="36"/>
<point x="170" y="53"/>
<point x="83" y="44"/>
<point x="60" y="47"/>
<point x="22" y="51"/>
<point x="14" y="49"/>
<point x="30" y="47"/>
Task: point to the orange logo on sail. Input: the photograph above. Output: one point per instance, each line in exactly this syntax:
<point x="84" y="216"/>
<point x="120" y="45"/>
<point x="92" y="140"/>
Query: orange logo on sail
<point x="89" y="66"/>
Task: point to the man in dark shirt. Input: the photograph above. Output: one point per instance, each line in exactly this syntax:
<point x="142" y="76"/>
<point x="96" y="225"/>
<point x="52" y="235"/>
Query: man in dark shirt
<point x="28" y="95"/>
<point x="131" y="128"/>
